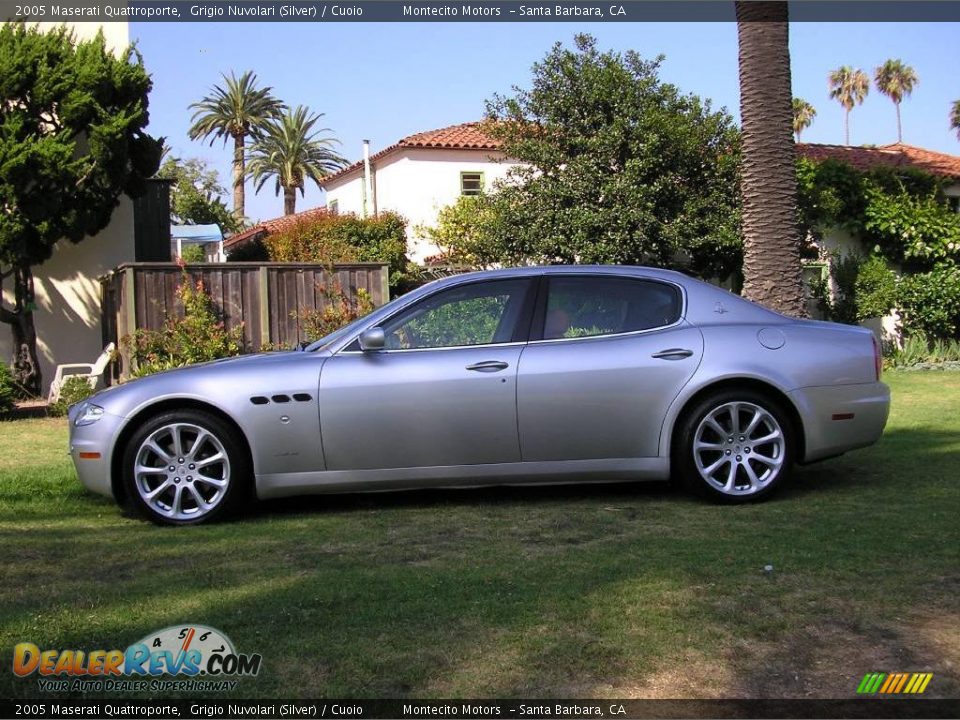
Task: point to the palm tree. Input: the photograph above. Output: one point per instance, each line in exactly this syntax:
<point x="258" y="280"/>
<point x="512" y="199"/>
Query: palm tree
<point x="849" y="86"/>
<point x="768" y="181"/>
<point x="291" y="152"/>
<point x="896" y="81"/>
<point x="803" y="115"/>
<point x="955" y="117"/>
<point x="237" y="109"/>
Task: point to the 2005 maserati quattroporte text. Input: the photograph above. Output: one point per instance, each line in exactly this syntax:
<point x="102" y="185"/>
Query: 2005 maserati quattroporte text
<point x="526" y="375"/>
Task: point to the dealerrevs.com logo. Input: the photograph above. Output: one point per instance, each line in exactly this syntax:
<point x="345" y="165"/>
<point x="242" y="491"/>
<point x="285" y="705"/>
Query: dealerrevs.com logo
<point x="194" y="651"/>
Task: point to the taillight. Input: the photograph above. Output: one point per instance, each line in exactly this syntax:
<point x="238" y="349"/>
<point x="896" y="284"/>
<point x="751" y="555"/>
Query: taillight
<point x="877" y="356"/>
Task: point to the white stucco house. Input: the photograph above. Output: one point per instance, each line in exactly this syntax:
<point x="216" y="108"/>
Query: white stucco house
<point x="67" y="316"/>
<point x="418" y="176"/>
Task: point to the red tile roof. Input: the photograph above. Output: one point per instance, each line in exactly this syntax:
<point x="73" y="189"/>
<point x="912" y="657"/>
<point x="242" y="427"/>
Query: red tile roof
<point x="269" y="227"/>
<point x="466" y="136"/>
<point x="897" y="155"/>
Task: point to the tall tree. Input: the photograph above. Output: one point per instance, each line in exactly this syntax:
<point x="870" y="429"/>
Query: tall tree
<point x="237" y="109"/>
<point x="849" y="87"/>
<point x="617" y="167"/>
<point x="896" y="80"/>
<point x="72" y="141"/>
<point x="771" y="253"/>
<point x="955" y="117"/>
<point x="803" y="115"/>
<point x="291" y="152"/>
<point x="196" y="194"/>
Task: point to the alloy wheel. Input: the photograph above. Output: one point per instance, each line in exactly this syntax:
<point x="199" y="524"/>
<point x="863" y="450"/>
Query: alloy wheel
<point x="739" y="448"/>
<point x="182" y="471"/>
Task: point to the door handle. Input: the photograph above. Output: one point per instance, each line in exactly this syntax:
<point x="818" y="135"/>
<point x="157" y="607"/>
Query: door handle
<point x="488" y="366"/>
<point x="673" y="354"/>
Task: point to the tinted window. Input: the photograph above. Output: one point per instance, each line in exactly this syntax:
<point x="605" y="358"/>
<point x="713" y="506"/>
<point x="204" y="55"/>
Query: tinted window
<point x="476" y="314"/>
<point x="595" y="305"/>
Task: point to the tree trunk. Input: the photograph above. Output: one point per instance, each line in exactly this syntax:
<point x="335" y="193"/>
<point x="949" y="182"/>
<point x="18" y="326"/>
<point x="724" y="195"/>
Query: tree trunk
<point x="899" y="129"/>
<point x="289" y="201"/>
<point x="26" y="364"/>
<point x="239" y="173"/>
<point x="771" y="264"/>
<point x="846" y="127"/>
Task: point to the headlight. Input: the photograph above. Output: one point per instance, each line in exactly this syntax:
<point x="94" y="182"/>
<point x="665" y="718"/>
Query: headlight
<point x="88" y="414"/>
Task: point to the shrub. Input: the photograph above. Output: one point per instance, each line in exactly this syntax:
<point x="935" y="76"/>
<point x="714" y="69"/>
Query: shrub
<point x="332" y="239"/>
<point x="74" y="390"/>
<point x="193" y="253"/>
<point x="840" y="305"/>
<point x="337" y="311"/>
<point x="875" y="288"/>
<point x="7" y="390"/>
<point x="916" y="231"/>
<point x="929" y="303"/>
<point x="917" y="350"/>
<point x="199" y="336"/>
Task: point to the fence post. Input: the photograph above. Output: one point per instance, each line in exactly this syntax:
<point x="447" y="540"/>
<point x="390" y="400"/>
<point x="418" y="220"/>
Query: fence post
<point x="263" y="288"/>
<point x="385" y="284"/>
<point x="129" y="305"/>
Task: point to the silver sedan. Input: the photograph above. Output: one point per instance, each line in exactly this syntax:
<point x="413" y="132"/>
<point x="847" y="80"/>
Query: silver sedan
<point x="526" y="375"/>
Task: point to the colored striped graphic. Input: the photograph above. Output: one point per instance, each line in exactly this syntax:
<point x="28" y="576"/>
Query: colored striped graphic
<point x="894" y="683"/>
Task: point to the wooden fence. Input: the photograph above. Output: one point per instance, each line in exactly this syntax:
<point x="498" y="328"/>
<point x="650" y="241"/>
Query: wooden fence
<point x="265" y="298"/>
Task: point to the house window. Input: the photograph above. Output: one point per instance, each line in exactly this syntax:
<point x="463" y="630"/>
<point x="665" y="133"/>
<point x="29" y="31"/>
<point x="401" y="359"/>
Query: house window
<point x="471" y="183"/>
<point x="334" y="207"/>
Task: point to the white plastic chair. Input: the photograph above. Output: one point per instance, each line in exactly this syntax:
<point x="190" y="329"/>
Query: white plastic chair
<point x="91" y="372"/>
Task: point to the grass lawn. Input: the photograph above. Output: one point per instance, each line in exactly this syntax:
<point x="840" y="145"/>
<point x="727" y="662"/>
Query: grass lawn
<point x="600" y="591"/>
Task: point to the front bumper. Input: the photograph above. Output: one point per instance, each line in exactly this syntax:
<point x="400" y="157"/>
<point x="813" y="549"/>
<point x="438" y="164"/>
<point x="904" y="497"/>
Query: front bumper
<point x="96" y="442"/>
<point x="839" y="418"/>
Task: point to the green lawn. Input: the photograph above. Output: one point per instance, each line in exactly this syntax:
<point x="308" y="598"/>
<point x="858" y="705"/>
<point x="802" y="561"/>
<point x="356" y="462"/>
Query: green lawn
<point x="601" y="591"/>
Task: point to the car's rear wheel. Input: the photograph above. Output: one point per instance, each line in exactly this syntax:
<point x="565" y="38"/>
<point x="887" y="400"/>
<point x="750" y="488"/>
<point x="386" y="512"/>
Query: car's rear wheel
<point x="735" y="446"/>
<point x="185" y="467"/>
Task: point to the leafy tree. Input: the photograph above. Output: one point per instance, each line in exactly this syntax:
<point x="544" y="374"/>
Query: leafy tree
<point x="955" y="117"/>
<point x="195" y="196"/>
<point x="235" y="110"/>
<point x="290" y="151"/>
<point x="72" y="141"/>
<point x="772" y="272"/>
<point x="849" y="87"/>
<point x="803" y="115"/>
<point x="896" y="80"/>
<point x="617" y="167"/>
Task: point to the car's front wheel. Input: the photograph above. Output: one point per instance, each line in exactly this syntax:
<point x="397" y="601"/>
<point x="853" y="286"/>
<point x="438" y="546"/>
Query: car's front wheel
<point x="185" y="467"/>
<point x="735" y="446"/>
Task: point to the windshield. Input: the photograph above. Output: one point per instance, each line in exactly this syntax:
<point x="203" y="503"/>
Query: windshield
<point x="336" y="335"/>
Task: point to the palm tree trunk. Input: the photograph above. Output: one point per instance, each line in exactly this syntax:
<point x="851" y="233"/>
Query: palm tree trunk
<point x="289" y="201"/>
<point x="846" y="127"/>
<point x="899" y="129"/>
<point x="771" y="263"/>
<point x="239" y="173"/>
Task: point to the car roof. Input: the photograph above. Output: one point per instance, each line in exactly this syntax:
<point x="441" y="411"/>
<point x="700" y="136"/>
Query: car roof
<point x="532" y="270"/>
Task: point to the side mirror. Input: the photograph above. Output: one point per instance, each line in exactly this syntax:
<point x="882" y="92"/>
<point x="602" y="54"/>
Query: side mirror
<point x="372" y="339"/>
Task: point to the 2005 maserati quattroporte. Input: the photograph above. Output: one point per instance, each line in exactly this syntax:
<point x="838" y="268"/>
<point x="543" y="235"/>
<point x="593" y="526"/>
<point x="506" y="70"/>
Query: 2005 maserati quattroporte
<point x="526" y="375"/>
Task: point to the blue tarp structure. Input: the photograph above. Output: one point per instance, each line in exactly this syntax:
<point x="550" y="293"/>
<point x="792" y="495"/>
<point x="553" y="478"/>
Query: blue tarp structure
<point x="196" y="233"/>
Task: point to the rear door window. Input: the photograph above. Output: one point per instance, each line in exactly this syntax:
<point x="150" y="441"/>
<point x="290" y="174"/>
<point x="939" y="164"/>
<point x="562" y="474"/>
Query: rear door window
<point x="588" y="306"/>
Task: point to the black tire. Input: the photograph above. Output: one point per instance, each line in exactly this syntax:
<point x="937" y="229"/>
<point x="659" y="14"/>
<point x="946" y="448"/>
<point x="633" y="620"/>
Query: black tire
<point x="740" y="452"/>
<point x="195" y="479"/>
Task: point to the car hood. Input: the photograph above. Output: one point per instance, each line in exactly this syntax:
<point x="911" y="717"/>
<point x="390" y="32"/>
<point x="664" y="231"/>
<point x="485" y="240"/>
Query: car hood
<point x="206" y="380"/>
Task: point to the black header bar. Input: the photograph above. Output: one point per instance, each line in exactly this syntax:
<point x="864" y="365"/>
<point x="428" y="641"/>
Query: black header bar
<point x="467" y="11"/>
